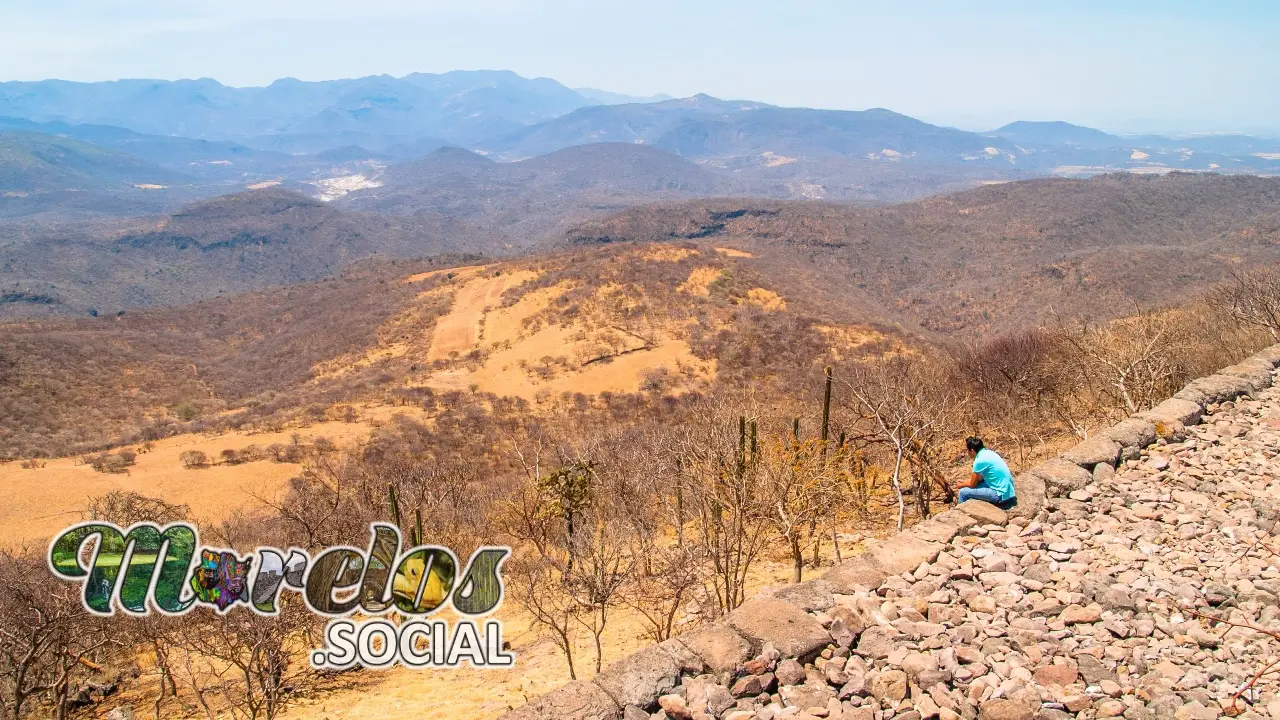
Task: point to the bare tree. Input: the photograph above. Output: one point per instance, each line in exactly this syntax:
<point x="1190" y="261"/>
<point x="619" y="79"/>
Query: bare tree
<point x="47" y="638"/>
<point x="1132" y="361"/>
<point x="1252" y="297"/>
<point x="905" y="405"/>
<point x="259" y="651"/>
<point x="718" y="458"/>
<point x="800" y="481"/>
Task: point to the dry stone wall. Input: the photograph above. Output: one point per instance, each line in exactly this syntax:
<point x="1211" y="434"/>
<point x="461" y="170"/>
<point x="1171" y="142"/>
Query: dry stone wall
<point x="1092" y="598"/>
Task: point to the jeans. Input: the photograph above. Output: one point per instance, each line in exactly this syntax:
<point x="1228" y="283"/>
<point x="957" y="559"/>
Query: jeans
<point x="987" y="495"/>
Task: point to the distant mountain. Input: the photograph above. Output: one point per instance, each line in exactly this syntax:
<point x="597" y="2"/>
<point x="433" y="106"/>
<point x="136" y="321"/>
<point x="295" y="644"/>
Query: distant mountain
<point x="204" y="159"/>
<point x="634" y="122"/>
<point x="1033" y="134"/>
<point x="36" y="163"/>
<point x="247" y="241"/>
<point x="604" y="97"/>
<point x="532" y="199"/>
<point x="803" y="132"/>
<point x="1072" y="149"/>
<point x="460" y="106"/>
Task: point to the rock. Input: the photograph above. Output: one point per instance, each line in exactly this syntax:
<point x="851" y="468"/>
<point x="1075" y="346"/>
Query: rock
<point x="751" y="685"/>
<point x="631" y="712"/>
<point x="1060" y="476"/>
<point x="1111" y="708"/>
<point x="719" y="699"/>
<point x="1061" y="675"/>
<point x="721" y="650"/>
<point x="1097" y="449"/>
<point x="641" y="677"/>
<point x="790" y="672"/>
<point x="1002" y="709"/>
<point x="1195" y="711"/>
<point x="983" y="604"/>
<point x="841" y="634"/>
<point x="578" y="699"/>
<point x="875" y="642"/>
<point x="124" y="712"/>
<point x="1214" y="389"/>
<point x="675" y="707"/>
<point x="1133" y="434"/>
<point x="809" y="595"/>
<point x="918" y="662"/>
<point x="806" y="696"/>
<point x="889" y="684"/>
<point x="1031" y="493"/>
<point x="1174" y="410"/>
<point x="792" y="631"/>
<point x="1092" y="669"/>
<point x="1103" y="473"/>
<point x="1256" y="371"/>
<point x="984" y="513"/>
<point x="1075" y="614"/>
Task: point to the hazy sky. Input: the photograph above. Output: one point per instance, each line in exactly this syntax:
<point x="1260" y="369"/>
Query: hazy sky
<point x="1123" y="66"/>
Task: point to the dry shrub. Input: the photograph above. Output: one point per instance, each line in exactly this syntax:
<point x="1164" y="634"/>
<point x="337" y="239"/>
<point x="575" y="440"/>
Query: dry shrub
<point x="193" y="459"/>
<point x="51" y="641"/>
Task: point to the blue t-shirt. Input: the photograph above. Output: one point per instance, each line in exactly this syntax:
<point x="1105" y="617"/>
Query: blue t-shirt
<point x="994" y="472"/>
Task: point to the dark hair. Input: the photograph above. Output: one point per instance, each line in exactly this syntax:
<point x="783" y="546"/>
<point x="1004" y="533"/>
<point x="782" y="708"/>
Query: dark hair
<point x="974" y="444"/>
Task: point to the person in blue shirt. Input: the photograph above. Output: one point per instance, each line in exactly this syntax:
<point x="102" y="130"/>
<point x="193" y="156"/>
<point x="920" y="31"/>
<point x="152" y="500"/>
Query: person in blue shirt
<point x="990" y="480"/>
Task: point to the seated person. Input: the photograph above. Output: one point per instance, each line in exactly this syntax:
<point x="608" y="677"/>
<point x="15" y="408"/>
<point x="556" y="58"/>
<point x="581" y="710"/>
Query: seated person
<point x="990" y="480"/>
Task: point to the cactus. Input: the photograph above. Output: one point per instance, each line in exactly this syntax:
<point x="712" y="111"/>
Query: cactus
<point x="742" y="445"/>
<point x="395" y="506"/>
<point x="826" y="406"/>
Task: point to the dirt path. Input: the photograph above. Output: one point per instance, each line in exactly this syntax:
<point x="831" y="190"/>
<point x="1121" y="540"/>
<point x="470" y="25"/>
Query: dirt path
<point x="459" y="331"/>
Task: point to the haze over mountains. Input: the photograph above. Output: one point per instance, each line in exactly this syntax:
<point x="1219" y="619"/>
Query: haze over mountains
<point x="295" y="131"/>
<point x="98" y="180"/>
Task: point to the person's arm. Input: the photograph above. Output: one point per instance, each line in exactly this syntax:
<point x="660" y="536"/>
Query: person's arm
<point x="971" y="481"/>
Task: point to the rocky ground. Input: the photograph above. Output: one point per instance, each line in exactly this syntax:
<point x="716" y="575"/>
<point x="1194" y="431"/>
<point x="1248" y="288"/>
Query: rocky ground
<point x="1101" y="605"/>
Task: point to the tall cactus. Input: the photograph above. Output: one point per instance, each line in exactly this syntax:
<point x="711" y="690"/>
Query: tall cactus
<point x="395" y="506"/>
<point x="826" y="406"/>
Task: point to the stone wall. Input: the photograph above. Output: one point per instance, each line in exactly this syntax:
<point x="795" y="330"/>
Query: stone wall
<point x="772" y="644"/>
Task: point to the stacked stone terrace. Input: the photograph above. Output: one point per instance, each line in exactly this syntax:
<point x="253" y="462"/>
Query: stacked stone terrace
<point x="1099" y="596"/>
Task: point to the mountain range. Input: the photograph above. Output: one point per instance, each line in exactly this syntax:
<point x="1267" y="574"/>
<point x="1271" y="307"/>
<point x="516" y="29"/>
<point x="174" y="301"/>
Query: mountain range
<point x="115" y="195"/>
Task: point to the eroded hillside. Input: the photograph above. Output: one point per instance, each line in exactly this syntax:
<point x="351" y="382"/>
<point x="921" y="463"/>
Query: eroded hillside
<point x="993" y="259"/>
<point x="635" y="321"/>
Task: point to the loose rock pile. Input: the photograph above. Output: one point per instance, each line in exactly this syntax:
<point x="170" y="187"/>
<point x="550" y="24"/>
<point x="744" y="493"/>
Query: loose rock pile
<point x="1107" y="602"/>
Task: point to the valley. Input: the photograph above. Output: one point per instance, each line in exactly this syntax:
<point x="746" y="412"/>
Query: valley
<point x="673" y="352"/>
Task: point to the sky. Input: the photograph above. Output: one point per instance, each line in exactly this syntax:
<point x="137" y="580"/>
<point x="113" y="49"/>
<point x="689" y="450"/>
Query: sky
<point x="1122" y="66"/>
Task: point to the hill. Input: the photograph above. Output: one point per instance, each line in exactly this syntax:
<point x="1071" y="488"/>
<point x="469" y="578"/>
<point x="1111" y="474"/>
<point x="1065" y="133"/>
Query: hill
<point x="1045" y="134"/>
<point x="627" y="324"/>
<point x="730" y="291"/>
<point x="534" y="200"/>
<point x="230" y="244"/>
<point x="626" y="123"/>
<point x="993" y="259"/>
<point x="36" y="163"/>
